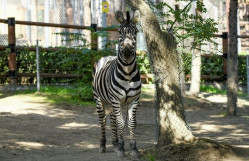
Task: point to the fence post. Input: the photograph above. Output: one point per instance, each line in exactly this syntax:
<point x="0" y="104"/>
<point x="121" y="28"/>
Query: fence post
<point x="225" y="52"/>
<point x="247" y="69"/>
<point x="37" y="66"/>
<point x="94" y="37"/>
<point x="12" y="54"/>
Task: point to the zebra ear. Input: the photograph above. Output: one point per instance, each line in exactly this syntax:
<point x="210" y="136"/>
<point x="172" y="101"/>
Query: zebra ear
<point x="119" y="17"/>
<point x="136" y="17"/>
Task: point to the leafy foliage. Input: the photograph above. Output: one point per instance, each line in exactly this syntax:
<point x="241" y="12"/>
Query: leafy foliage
<point x="143" y="62"/>
<point x="213" y="66"/>
<point x="189" y="25"/>
<point x="65" y="60"/>
<point x="4" y="65"/>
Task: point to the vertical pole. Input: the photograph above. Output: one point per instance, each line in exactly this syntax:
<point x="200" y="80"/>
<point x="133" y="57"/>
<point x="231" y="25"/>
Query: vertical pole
<point x="247" y="69"/>
<point x="104" y="39"/>
<point x="94" y="37"/>
<point x="227" y="13"/>
<point x="37" y="66"/>
<point x="12" y="54"/>
<point x="225" y="52"/>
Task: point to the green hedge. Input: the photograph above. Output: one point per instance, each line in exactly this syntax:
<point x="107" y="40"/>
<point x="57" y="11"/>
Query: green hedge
<point x="213" y="66"/>
<point x="81" y="60"/>
<point x="65" y="60"/>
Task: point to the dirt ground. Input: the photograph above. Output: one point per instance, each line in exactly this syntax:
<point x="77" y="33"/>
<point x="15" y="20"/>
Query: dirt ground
<point x="32" y="129"/>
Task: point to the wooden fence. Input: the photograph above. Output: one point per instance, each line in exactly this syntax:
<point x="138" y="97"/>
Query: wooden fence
<point x="12" y="46"/>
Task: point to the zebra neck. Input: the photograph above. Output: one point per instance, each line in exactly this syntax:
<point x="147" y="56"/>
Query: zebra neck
<point x="128" y="71"/>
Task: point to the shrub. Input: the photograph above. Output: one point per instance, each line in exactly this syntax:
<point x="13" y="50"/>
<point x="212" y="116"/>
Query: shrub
<point x="65" y="60"/>
<point x="143" y="62"/>
<point x="213" y="66"/>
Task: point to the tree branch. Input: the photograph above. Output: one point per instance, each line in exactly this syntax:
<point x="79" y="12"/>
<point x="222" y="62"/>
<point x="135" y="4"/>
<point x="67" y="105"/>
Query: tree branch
<point x="170" y="29"/>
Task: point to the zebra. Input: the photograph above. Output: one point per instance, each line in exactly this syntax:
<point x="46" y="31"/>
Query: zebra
<point x="116" y="81"/>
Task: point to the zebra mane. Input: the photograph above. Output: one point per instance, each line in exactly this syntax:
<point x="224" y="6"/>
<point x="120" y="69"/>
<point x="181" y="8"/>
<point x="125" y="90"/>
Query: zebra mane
<point x="128" y="16"/>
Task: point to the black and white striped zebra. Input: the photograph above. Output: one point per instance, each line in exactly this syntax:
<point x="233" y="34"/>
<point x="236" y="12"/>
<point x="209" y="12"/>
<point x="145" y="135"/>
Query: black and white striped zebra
<point x="116" y="81"/>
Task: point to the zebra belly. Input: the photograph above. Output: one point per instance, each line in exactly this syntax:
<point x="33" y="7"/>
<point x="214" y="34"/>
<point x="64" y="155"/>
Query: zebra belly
<point x="126" y="97"/>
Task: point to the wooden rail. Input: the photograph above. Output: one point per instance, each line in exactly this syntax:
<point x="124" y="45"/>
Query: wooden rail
<point x="238" y="36"/>
<point x="51" y="75"/>
<point x="47" y="75"/>
<point x="57" y="25"/>
<point x="31" y="48"/>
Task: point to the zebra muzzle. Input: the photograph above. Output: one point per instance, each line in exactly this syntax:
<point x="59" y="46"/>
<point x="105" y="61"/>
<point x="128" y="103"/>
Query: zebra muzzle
<point x="127" y="53"/>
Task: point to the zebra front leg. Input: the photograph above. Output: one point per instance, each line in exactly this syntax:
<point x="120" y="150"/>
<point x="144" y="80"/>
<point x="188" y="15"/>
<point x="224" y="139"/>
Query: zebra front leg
<point x="120" y="124"/>
<point x="114" y="131"/>
<point x="102" y="121"/>
<point x="132" y="127"/>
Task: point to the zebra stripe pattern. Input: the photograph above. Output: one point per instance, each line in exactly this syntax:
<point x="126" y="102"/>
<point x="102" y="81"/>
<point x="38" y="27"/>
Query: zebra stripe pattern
<point x="116" y="81"/>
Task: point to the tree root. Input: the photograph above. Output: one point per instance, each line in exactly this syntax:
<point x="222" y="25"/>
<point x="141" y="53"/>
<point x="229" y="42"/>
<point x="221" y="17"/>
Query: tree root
<point x="200" y="149"/>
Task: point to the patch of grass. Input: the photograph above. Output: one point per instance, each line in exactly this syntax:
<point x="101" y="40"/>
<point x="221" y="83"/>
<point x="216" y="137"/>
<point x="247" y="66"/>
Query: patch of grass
<point x="224" y="114"/>
<point x="65" y="98"/>
<point x="58" y="94"/>
<point x="245" y="117"/>
<point x="147" y="93"/>
<point x="57" y="90"/>
<point x="81" y="95"/>
<point x="211" y="89"/>
<point x="241" y="94"/>
<point x="151" y="156"/>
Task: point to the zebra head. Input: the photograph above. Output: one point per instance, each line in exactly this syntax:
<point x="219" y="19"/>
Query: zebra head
<point x="127" y="35"/>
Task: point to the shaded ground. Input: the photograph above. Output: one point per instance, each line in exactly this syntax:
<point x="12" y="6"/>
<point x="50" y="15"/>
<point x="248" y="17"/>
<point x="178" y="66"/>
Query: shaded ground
<point x="31" y="128"/>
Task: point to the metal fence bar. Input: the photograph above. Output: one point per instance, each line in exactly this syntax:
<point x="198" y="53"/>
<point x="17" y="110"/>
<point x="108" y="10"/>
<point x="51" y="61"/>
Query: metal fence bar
<point x="247" y="69"/>
<point x="37" y="66"/>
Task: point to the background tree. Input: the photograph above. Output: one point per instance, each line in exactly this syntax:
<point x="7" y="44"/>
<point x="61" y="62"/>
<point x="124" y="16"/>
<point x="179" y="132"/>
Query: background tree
<point x="196" y="63"/>
<point x="87" y="19"/>
<point x="166" y="62"/>
<point x="232" y="59"/>
<point x="188" y="24"/>
<point x="165" y="65"/>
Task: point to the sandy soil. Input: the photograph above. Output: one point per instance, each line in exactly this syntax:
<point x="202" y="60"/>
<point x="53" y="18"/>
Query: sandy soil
<point x="31" y="128"/>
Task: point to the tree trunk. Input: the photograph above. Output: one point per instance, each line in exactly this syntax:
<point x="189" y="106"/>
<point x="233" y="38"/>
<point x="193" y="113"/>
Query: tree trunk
<point x="166" y="67"/>
<point x="195" y="73"/>
<point x="87" y="20"/>
<point x="232" y="60"/>
<point x="196" y="67"/>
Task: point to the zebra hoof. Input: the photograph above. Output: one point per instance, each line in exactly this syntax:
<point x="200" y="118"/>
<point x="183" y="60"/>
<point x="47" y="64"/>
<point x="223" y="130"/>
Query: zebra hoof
<point x="115" y="145"/>
<point x="121" y="153"/>
<point x="134" y="153"/>
<point x="102" y="149"/>
<point x="116" y="149"/>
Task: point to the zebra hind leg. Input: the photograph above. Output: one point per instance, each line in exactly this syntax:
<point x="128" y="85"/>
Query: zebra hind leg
<point x="102" y="121"/>
<point x="114" y="131"/>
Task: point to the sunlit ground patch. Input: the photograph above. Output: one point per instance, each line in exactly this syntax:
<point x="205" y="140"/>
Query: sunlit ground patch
<point x="75" y="125"/>
<point x="89" y="145"/>
<point x="30" y="145"/>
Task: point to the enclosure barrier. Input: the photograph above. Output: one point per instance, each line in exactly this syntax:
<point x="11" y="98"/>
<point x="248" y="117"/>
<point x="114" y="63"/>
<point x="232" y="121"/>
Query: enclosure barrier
<point x="12" y="39"/>
<point x="12" y="55"/>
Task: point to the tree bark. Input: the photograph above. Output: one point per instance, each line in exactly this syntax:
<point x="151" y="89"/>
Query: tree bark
<point x="166" y="68"/>
<point x="87" y="20"/>
<point x="232" y="60"/>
